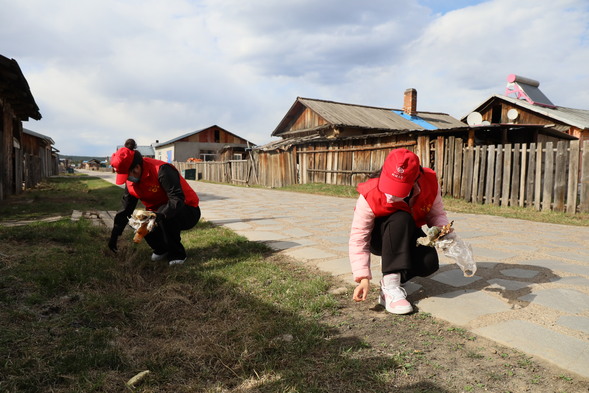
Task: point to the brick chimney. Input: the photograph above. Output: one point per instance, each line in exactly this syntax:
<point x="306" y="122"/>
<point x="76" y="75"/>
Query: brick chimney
<point x="410" y="102"/>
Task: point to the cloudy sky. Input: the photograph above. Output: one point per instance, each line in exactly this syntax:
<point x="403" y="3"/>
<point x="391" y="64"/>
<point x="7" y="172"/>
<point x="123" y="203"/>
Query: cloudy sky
<point x="102" y="71"/>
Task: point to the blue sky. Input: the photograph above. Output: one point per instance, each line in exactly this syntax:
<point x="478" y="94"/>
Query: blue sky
<point x="103" y="71"/>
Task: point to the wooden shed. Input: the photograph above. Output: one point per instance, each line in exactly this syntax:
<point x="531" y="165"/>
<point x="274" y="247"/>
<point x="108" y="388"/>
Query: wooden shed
<point x="16" y="105"/>
<point x="40" y="158"/>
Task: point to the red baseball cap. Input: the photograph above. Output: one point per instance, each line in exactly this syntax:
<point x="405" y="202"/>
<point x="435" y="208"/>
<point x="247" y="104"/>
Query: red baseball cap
<point x="399" y="172"/>
<point x="121" y="160"/>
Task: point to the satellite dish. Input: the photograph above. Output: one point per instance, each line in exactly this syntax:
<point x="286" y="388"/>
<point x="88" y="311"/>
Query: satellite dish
<point x="512" y="114"/>
<point x="474" y="119"/>
<point x="486" y="123"/>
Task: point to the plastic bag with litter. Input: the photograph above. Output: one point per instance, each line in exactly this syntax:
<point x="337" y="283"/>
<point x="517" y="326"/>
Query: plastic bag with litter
<point x="454" y="247"/>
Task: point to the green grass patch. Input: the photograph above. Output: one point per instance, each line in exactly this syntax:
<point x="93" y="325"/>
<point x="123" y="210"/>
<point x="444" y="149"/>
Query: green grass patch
<point x="60" y="196"/>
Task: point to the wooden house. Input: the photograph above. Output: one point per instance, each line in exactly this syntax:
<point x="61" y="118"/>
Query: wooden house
<point x="340" y="143"/>
<point x="16" y="105"/>
<point x="40" y="158"/>
<point x="92" y="165"/>
<point x="525" y="115"/>
<point x="209" y="144"/>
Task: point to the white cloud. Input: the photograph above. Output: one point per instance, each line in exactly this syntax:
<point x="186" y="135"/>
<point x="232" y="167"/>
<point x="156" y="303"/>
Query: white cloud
<point x="104" y="70"/>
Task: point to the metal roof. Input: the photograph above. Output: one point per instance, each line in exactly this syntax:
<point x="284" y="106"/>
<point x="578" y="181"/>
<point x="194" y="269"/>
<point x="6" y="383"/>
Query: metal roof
<point x="40" y="136"/>
<point x="575" y="117"/>
<point x="350" y="115"/>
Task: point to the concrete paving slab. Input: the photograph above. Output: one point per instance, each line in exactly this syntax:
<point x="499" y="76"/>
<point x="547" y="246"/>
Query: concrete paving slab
<point x="336" y="266"/>
<point x="309" y="253"/>
<point x="567" y="300"/>
<point x="572" y="280"/>
<point x="462" y="307"/>
<point x="482" y="254"/>
<point x="455" y="278"/>
<point x="508" y="285"/>
<point x="568" y="353"/>
<point x="520" y="273"/>
<point x="560" y="266"/>
<point x="296" y="232"/>
<point x="573" y="255"/>
<point x="575" y="322"/>
<point x="258" y="236"/>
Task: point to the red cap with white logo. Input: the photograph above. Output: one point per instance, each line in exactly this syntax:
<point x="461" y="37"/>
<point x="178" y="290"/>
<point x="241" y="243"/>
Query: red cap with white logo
<point x="399" y="172"/>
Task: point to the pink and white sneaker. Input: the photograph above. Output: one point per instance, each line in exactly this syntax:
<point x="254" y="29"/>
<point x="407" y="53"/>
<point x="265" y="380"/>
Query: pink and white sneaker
<point x="392" y="296"/>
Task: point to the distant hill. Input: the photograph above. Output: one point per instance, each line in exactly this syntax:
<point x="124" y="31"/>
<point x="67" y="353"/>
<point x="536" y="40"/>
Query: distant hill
<point x="78" y="159"/>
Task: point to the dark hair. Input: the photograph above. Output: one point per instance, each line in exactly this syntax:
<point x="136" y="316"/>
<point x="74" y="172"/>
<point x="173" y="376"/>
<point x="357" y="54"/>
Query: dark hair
<point x="137" y="157"/>
<point x="131" y="144"/>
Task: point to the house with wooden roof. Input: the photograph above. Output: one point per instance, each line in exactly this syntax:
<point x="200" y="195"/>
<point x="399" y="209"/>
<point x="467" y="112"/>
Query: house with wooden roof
<point x="524" y="114"/>
<point x="331" y="119"/>
<point x="208" y="144"/>
<point x="16" y="105"/>
<point x="340" y="143"/>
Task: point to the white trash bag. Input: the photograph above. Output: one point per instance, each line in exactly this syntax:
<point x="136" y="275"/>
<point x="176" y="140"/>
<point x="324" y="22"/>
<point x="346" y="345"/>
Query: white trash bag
<point x="452" y="246"/>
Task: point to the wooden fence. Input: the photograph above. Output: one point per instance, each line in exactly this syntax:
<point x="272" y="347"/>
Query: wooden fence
<point x="549" y="176"/>
<point x="543" y="176"/>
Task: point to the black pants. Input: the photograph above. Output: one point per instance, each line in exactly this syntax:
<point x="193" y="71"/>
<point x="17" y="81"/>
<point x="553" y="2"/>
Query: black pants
<point x="394" y="238"/>
<point x="165" y="237"/>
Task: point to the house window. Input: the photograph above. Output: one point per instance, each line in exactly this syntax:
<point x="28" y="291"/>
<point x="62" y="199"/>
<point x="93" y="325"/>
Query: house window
<point x="217" y="136"/>
<point x="237" y="156"/>
<point x="207" y="156"/>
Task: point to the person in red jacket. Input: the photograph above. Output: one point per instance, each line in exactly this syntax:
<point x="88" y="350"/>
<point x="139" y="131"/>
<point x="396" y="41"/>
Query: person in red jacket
<point x="161" y="189"/>
<point x="389" y="213"/>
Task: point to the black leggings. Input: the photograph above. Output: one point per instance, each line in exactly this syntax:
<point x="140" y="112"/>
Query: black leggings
<point x="165" y="237"/>
<point x="394" y="238"/>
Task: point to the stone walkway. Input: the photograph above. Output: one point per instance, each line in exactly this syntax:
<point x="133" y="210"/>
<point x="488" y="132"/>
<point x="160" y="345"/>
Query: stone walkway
<point x="530" y="292"/>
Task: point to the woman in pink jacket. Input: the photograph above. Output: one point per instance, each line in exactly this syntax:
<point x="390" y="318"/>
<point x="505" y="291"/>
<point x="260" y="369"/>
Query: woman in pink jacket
<point x="388" y="217"/>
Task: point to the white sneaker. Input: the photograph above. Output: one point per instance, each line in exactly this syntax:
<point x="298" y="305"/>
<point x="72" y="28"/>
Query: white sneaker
<point x="158" y="257"/>
<point x="394" y="300"/>
<point x="177" y="262"/>
<point x="393" y="296"/>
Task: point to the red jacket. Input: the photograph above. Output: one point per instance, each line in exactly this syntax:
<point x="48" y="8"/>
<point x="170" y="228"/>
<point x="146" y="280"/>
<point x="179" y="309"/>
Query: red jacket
<point x="377" y="200"/>
<point x="149" y="190"/>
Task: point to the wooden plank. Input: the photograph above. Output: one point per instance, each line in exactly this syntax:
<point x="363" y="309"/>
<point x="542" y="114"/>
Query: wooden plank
<point x="538" y="177"/>
<point x="457" y="176"/>
<point x="560" y="180"/>
<point x="490" y="182"/>
<point x="440" y="157"/>
<point x="475" y="174"/>
<point x="515" y="175"/>
<point x="573" y="180"/>
<point x="506" y="181"/>
<point x="498" y="175"/>
<point x="482" y="176"/>
<point x="467" y="174"/>
<point x="449" y="166"/>
<point x="584" y="196"/>
<point x="522" y="178"/>
<point x="548" y="187"/>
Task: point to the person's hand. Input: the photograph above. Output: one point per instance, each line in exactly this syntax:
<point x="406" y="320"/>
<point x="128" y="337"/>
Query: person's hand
<point x="112" y="243"/>
<point x="361" y="290"/>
